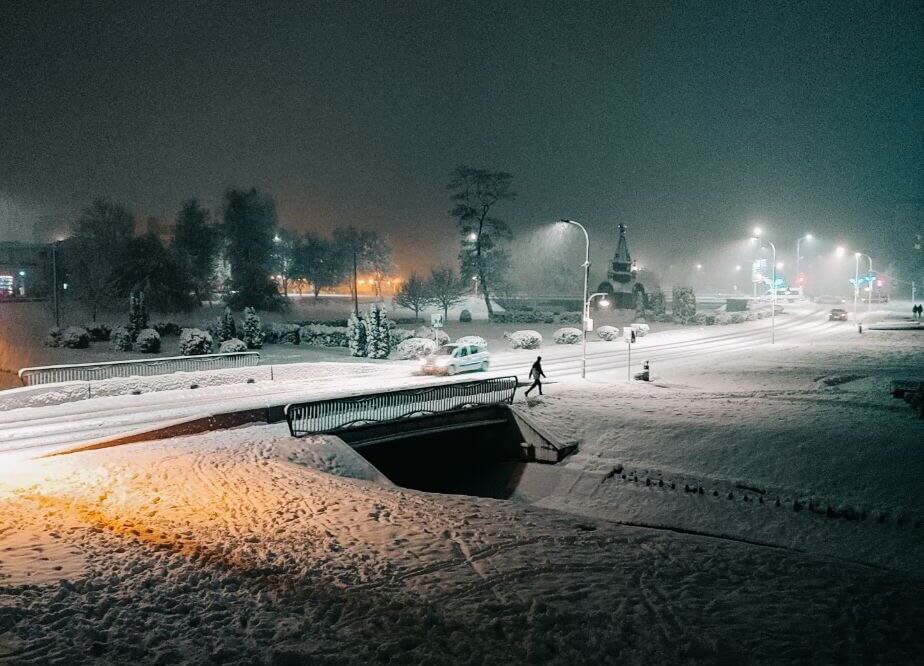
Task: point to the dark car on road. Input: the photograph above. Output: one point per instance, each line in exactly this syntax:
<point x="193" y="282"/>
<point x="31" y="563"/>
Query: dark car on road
<point x="837" y="314"/>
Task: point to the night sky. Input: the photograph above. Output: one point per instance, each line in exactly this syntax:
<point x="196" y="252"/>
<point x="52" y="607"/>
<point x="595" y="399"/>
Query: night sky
<point x="683" y="120"/>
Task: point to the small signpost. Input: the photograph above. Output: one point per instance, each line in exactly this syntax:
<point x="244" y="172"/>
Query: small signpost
<point x="436" y="320"/>
<point x="628" y="334"/>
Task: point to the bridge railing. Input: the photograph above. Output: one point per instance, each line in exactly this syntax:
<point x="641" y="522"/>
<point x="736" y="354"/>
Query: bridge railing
<point x="135" y="368"/>
<point x="335" y="414"/>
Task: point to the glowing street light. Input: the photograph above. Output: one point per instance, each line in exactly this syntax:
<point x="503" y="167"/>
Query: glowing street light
<point x="856" y="282"/>
<point x="586" y="302"/>
<point x="699" y="267"/>
<point x="840" y="251"/>
<point x="737" y="268"/>
<point x="772" y="285"/>
<point x="779" y="265"/>
<point x="807" y="237"/>
<point x="473" y="237"/>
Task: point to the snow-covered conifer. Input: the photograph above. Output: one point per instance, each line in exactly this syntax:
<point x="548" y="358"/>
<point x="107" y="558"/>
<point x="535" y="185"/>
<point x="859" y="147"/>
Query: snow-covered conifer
<point x="253" y="331"/>
<point x="356" y="333"/>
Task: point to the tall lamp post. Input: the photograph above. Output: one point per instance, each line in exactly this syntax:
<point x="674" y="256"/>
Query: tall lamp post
<point x="806" y="237"/>
<point x="54" y="280"/>
<point x="759" y="239"/>
<point x="586" y="300"/>
<point x="856" y="282"/>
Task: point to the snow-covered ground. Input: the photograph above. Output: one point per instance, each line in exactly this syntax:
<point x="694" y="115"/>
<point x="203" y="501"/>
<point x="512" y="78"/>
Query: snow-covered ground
<point x="248" y="546"/>
<point x="51" y="426"/>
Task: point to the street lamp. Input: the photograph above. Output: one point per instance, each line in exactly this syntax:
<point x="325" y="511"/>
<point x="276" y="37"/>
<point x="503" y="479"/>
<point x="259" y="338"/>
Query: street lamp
<point x="807" y="237"/>
<point x="856" y="282"/>
<point x="585" y="301"/>
<point x="473" y="237"/>
<point x="757" y="237"/>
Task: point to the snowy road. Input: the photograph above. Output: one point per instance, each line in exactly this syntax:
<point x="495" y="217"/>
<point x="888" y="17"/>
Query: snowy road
<point x="44" y="428"/>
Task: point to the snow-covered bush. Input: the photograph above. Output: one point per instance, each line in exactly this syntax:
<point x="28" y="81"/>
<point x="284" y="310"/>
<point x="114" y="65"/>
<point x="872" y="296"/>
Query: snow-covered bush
<point x="438" y="335"/>
<point x="378" y="344"/>
<point x="137" y="314"/>
<point x="356" y="335"/>
<point x="608" y="333"/>
<point x="195" y="342"/>
<point x="476" y="340"/>
<point x="75" y="337"/>
<point x="253" y="331"/>
<point x="703" y="319"/>
<point x="465" y="317"/>
<point x="730" y="317"/>
<point x="148" y="341"/>
<point x="524" y="339"/>
<point x="664" y="318"/>
<point x="226" y="328"/>
<point x="166" y="328"/>
<point x="399" y="335"/>
<point x="414" y="348"/>
<point x="319" y="335"/>
<point x="99" y="332"/>
<point x="53" y="339"/>
<point x="683" y="306"/>
<point x="567" y="336"/>
<point x="570" y="318"/>
<point x="641" y="329"/>
<point x="524" y="317"/>
<point x="282" y="333"/>
<point x="121" y="339"/>
<point x="231" y="346"/>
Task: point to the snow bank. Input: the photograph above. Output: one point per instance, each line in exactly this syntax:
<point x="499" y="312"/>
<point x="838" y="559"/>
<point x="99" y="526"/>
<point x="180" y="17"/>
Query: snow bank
<point x="55" y="394"/>
<point x="236" y="547"/>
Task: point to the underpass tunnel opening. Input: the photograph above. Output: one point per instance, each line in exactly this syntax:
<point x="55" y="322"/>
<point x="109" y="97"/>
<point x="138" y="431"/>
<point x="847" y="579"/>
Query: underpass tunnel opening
<point x="482" y="452"/>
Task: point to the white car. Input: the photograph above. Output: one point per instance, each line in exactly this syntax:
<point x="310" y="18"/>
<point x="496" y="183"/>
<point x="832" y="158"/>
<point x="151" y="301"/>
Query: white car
<point x="450" y="359"/>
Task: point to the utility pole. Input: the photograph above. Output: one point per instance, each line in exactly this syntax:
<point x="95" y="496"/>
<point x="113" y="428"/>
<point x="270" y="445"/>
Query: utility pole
<point x="54" y="279"/>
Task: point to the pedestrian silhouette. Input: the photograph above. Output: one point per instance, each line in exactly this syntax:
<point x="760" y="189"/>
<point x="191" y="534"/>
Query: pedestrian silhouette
<point x="536" y="374"/>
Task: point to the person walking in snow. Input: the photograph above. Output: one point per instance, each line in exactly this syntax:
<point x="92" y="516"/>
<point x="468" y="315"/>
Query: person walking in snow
<point x="535" y="373"/>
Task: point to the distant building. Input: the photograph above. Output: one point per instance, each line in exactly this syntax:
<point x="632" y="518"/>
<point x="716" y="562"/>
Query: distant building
<point x="163" y="228"/>
<point x="622" y="278"/>
<point x="25" y="270"/>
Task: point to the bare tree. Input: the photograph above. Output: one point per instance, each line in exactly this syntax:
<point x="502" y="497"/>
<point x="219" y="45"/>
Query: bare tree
<point x="361" y="251"/>
<point x="414" y="295"/>
<point x="475" y="193"/>
<point x="445" y="289"/>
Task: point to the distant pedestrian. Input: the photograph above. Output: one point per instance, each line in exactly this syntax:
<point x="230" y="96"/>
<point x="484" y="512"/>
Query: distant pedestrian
<point x="917" y="311"/>
<point x="536" y="374"/>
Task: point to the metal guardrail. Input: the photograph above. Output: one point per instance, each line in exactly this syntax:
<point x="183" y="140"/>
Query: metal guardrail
<point x="336" y="414"/>
<point x="136" y="368"/>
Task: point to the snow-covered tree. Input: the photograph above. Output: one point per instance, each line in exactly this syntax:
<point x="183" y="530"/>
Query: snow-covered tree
<point x="137" y="314"/>
<point x="226" y="328"/>
<point x="683" y="306"/>
<point x="356" y="333"/>
<point x="253" y="330"/>
<point x="378" y="344"/>
<point x="656" y="302"/>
